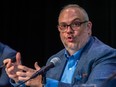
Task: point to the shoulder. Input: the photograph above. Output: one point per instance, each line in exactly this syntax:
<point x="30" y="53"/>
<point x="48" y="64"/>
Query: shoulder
<point x="6" y="51"/>
<point x="100" y="51"/>
<point x="100" y="47"/>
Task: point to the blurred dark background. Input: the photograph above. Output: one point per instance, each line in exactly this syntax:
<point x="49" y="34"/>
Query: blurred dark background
<point x="30" y="26"/>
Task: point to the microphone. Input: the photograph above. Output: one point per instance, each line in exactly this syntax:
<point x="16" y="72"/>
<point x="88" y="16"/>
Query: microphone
<point x="54" y="62"/>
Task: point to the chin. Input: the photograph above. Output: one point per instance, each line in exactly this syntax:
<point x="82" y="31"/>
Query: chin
<point x="72" y="47"/>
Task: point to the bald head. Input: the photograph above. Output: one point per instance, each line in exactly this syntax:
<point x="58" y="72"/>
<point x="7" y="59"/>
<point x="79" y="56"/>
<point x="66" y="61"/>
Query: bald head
<point x="77" y="10"/>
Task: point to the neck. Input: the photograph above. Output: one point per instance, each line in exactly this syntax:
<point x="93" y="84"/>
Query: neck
<point x="80" y="46"/>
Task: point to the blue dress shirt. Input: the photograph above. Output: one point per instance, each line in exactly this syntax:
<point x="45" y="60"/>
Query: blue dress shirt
<point x="70" y="68"/>
<point x="72" y="62"/>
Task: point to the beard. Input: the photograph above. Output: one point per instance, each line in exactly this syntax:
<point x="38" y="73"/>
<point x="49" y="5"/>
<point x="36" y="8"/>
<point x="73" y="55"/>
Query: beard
<point x="71" y="46"/>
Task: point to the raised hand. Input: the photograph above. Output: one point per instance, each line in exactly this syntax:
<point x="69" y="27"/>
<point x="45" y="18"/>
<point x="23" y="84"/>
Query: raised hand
<point x="11" y="68"/>
<point x="26" y="73"/>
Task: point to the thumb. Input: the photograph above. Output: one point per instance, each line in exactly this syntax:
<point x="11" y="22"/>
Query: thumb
<point x="36" y="66"/>
<point x="18" y="58"/>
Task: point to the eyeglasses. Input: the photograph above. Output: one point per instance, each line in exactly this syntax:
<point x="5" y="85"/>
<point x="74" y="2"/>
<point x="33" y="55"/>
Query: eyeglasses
<point x="74" y="25"/>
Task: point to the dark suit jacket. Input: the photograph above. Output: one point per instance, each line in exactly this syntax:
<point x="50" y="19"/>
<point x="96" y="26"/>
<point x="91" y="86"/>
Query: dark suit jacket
<point x="5" y="52"/>
<point x="96" y="64"/>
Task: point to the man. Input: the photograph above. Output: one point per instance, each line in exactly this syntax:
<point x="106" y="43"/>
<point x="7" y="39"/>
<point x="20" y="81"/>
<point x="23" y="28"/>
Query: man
<point x="84" y="60"/>
<point x="5" y="52"/>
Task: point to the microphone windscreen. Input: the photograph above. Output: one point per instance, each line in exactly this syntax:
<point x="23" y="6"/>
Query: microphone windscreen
<point x="56" y="61"/>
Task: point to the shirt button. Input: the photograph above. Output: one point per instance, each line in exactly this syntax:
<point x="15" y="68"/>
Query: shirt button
<point x="70" y="68"/>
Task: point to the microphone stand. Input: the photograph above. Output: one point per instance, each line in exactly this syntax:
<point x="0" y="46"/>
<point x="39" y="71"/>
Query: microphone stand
<point x="33" y="76"/>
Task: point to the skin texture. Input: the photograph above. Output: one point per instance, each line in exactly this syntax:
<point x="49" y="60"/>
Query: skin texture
<point x="17" y="71"/>
<point x="73" y="40"/>
<point x="11" y="68"/>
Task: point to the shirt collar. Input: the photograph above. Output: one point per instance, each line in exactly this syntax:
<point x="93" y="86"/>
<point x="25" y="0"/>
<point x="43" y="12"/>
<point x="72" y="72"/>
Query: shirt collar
<point x="77" y="54"/>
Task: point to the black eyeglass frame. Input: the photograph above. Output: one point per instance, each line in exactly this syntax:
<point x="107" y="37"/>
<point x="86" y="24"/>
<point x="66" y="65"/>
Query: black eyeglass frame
<point x="70" y="25"/>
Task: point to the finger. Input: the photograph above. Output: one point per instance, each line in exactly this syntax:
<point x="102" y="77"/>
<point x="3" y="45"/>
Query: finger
<point x="36" y="82"/>
<point x="10" y="71"/>
<point x="36" y="66"/>
<point x="21" y="74"/>
<point x="12" y="76"/>
<point x="28" y="83"/>
<point x="24" y="68"/>
<point x="18" y="58"/>
<point x="7" y="62"/>
<point x="21" y="78"/>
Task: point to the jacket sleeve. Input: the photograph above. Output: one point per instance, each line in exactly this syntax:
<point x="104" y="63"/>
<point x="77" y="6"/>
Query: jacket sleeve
<point x="17" y="84"/>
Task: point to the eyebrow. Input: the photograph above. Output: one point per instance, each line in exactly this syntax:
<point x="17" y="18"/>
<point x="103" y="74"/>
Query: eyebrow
<point x="76" y="19"/>
<point x="71" y="21"/>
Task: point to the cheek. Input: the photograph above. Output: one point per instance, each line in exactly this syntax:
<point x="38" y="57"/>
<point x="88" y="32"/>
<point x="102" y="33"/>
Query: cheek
<point x="81" y="33"/>
<point x="78" y="33"/>
<point x="61" y="36"/>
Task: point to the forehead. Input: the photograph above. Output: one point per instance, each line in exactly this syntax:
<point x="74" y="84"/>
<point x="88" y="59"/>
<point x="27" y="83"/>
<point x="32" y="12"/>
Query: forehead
<point x="70" y="14"/>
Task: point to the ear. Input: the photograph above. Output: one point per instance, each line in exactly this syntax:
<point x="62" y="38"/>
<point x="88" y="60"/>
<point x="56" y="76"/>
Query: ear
<point x="89" y="27"/>
<point x="58" y="28"/>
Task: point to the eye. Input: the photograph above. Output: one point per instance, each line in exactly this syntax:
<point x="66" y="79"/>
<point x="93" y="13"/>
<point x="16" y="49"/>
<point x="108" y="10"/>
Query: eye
<point x="76" y="24"/>
<point x="63" y="25"/>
